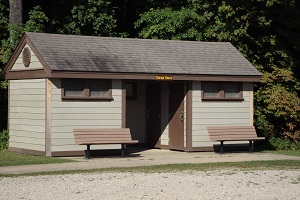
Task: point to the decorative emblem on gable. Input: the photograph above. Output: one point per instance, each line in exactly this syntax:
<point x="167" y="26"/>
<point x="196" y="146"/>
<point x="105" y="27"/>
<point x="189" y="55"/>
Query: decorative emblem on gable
<point x="26" y="56"/>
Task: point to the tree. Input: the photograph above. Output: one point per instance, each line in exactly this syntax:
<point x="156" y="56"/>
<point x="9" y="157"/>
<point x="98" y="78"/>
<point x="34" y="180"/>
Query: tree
<point x="16" y="12"/>
<point x="252" y="28"/>
<point x="4" y="20"/>
<point x="4" y="10"/>
<point x="92" y="17"/>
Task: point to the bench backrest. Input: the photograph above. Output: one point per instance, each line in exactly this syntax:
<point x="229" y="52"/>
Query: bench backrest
<point x="102" y="136"/>
<point x="231" y="132"/>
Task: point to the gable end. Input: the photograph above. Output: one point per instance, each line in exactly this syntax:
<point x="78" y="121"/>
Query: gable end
<point x="26" y="62"/>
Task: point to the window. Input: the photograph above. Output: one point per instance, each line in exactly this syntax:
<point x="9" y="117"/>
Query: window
<point x="131" y="90"/>
<point x="86" y="89"/>
<point x="222" y="91"/>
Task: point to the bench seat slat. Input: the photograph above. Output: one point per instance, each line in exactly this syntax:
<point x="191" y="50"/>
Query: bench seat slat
<point x="97" y="140"/>
<point x="233" y="133"/>
<point x="93" y="136"/>
<point x="99" y="131"/>
<point x="108" y="142"/>
<point x="80" y="136"/>
<point x="238" y="139"/>
<point x="230" y="127"/>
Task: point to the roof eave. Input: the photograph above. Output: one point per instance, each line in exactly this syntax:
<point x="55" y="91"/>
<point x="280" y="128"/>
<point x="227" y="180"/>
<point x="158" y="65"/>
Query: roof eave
<point x="151" y="76"/>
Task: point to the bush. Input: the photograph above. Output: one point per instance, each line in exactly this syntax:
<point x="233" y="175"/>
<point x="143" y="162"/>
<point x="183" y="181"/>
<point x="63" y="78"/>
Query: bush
<point x="4" y="140"/>
<point x="284" y="144"/>
<point x="3" y="103"/>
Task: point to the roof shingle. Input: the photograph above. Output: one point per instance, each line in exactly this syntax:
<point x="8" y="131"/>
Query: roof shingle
<point x="106" y="54"/>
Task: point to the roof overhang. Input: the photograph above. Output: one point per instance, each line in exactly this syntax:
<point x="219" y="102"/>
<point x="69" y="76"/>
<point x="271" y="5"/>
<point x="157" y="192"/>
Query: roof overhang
<point x="31" y="74"/>
<point x="158" y="77"/>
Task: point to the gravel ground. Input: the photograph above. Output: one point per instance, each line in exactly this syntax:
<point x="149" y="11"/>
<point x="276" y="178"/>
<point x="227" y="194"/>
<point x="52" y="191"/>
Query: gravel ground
<point x="222" y="184"/>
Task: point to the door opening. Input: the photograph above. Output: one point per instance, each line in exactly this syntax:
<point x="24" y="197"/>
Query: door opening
<point x="153" y="114"/>
<point x="176" y="116"/>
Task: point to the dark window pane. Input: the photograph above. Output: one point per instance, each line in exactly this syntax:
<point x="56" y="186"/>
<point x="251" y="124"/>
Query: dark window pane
<point x="98" y="88"/>
<point x="131" y="90"/>
<point x="231" y="90"/>
<point x="72" y="87"/>
<point x="210" y="89"/>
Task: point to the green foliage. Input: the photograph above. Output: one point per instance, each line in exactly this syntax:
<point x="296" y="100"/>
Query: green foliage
<point x="37" y="20"/>
<point x="171" y="24"/>
<point x="3" y="104"/>
<point x="8" y="45"/>
<point x="35" y="23"/>
<point x="91" y="18"/>
<point x="283" y="144"/>
<point x="198" y="20"/>
<point x="4" y="140"/>
<point x="3" y="18"/>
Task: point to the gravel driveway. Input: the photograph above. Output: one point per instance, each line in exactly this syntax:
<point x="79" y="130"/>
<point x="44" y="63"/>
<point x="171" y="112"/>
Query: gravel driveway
<point x="218" y="184"/>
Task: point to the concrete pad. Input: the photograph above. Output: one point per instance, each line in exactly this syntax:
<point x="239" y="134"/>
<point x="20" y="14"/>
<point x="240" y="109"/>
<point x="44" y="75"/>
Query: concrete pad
<point x="145" y="158"/>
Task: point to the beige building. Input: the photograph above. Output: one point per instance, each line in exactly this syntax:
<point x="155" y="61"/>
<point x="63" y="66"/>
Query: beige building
<point x="166" y="92"/>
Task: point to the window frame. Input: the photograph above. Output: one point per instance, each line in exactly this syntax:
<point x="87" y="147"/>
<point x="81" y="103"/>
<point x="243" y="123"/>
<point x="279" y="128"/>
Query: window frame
<point x="221" y="93"/>
<point x="86" y="91"/>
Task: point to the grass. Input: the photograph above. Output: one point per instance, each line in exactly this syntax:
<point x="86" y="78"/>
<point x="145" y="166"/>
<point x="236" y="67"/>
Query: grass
<point x="284" y="152"/>
<point x="13" y="159"/>
<point x="244" y="166"/>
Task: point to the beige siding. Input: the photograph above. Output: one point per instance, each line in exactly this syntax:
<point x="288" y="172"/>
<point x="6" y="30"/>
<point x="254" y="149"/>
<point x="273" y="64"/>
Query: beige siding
<point x="34" y="63"/>
<point x="135" y="114"/>
<point x="164" y="139"/>
<point x="184" y="116"/>
<point x="27" y="114"/>
<point x="214" y="113"/>
<point x="67" y="115"/>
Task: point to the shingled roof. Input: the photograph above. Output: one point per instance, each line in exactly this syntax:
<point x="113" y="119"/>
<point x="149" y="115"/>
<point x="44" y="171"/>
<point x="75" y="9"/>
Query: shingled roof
<point x="127" y="55"/>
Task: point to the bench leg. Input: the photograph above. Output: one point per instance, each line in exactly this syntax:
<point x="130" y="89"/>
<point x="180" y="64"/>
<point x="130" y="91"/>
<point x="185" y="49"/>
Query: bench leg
<point x="123" y="147"/>
<point x="222" y="147"/>
<point x="250" y="146"/>
<point x="88" y="151"/>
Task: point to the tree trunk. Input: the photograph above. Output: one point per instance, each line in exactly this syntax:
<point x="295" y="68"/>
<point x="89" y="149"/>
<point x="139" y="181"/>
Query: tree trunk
<point x="15" y="12"/>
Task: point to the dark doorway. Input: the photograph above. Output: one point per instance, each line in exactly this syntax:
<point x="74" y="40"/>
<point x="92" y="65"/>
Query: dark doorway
<point x="176" y="111"/>
<point x="153" y="114"/>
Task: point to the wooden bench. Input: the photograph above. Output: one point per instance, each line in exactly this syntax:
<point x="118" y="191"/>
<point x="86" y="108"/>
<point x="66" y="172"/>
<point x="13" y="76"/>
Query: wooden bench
<point x="233" y="133"/>
<point x="93" y="136"/>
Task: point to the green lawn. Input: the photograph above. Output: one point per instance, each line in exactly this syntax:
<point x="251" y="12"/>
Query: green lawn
<point x="12" y="159"/>
<point x="243" y="166"/>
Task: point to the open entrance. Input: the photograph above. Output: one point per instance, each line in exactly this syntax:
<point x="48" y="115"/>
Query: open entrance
<point x="153" y="114"/>
<point x="176" y="115"/>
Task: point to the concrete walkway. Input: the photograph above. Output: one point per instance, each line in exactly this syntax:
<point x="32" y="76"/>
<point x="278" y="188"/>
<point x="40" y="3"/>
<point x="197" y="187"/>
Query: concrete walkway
<point x="145" y="158"/>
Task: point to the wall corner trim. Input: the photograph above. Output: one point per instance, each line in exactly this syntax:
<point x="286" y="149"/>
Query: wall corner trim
<point x="48" y="123"/>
